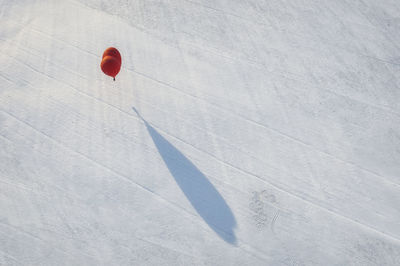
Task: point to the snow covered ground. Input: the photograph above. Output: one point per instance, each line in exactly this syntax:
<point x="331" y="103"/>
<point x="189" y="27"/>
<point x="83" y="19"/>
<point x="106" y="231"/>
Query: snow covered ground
<point x="257" y="132"/>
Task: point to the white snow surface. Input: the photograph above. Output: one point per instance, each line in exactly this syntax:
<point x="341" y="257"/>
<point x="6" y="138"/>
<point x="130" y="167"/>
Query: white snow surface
<point x="257" y="132"/>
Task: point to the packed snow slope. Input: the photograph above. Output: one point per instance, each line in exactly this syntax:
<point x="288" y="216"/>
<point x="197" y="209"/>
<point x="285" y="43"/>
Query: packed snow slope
<point x="258" y="132"/>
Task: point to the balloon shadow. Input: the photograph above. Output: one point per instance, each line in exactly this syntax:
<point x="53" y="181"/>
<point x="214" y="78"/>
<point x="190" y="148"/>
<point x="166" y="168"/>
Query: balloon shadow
<point x="202" y="195"/>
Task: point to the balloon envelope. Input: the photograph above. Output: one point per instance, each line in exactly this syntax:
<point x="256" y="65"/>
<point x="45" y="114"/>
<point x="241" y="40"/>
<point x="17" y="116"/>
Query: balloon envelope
<point x="111" y="51"/>
<point x="110" y="66"/>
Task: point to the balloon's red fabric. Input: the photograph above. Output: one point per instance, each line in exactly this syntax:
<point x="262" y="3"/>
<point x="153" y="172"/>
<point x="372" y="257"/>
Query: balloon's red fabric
<point x="110" y="66"/>
<point x="111" y="51"/>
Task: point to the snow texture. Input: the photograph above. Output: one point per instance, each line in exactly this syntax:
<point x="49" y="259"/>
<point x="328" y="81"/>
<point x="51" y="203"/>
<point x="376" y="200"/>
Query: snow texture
<point x="257" y="132"/>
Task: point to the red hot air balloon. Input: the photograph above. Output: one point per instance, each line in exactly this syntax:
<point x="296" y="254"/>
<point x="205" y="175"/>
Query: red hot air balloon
<point x="111" y="63"/>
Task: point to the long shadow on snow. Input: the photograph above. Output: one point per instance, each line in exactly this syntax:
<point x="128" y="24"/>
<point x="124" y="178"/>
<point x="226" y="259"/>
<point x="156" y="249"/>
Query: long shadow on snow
<point x="203" y="196"/>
